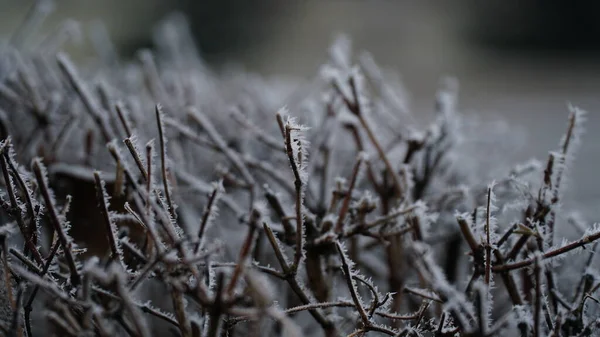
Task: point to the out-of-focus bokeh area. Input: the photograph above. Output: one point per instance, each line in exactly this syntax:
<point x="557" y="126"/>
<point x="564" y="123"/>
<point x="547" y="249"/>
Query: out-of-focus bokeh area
<point x="521" y="61"/>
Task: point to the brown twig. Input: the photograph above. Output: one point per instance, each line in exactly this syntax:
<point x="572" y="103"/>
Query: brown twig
<point x="57" y="223"/>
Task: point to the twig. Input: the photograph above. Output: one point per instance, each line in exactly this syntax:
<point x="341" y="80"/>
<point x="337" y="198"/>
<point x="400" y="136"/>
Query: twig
<point x="111" y="230"/>
<point x="548" y="254"/>
<point x="208" y="212"/>
<point x="233" y="157"/>
<point x="244" y="252"/>
<point x="352" y="287"/>
<point x="290" y="276"/>
<point x="299" y="186"/>
<point x="339" y="225"/>
<point x="65" y="241"/>
<point x="163" y="161"/>
<point x="488" y="244"/>
<point x="538" y="296"/>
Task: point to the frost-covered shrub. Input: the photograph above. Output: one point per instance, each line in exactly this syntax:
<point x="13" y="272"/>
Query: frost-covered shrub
<point x="155" y="196"/>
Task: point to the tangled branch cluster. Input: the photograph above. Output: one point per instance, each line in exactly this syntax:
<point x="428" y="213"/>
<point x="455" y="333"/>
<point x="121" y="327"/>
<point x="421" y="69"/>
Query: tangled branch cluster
<point x="356" y="225"/>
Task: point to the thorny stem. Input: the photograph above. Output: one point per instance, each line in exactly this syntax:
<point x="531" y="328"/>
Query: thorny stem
<point x="123" y="118"/>
<point x="290" y="276"/>
<point x="15" y="206"/>
<point x="8" y="284"/>
<point x="340" y="304"/>
<point x="549" y="254"/>
<point x="136" y="157"/>
<point x="26" y="192"/>
<point x="163" y="161"/>
<point x="149" y="185"/>
<point x="537" y="260"/>
<point x="25" y="260"/>
<point x="506" y="235"/>
<point x="28" y="306"/>
<point x="208" y="211"/>
<point x="488" y="244"/>
<point x="110" y="227"/>
<point x="352" y="287"/>
<point x="298" y="184"/>
<point x="56" y="222"/>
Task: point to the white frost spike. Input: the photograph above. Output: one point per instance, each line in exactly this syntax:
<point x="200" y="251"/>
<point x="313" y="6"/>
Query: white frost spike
<point x="336" y="77"/>
<point x="8" y="229"/>
<point x="485" y="307"/>
<point x="523" y="315"/>
<point x="341" y="51"/>
<point x="300" y="144"/>
<point x="362" y="100"/>
<point x="24" y="180"/>
<point x="572" y="139"/>
<point x="446" y="97"/>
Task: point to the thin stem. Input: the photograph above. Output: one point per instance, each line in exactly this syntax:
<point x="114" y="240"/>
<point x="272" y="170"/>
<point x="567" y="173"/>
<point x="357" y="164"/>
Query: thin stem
<point x="16" y="210"/>
<point x="110" y="227"/>
<point x="549" y="254"/>
<point x="339" y="226"/>
<point x="136" y="157"/>
<point x="123" y="118"/>
<point x="163" y="161"/>
<point x="290" y="276"/>
<point x="64" y="240"/>
<point x="488" y="244"/>
<point x="537" y="314"/>
<point x="352" y="287"/>
<point x="299" y="185"/>
<point x="233" y="157"/>
<point x="244" y="252"/>
<point x="208" y="212"/>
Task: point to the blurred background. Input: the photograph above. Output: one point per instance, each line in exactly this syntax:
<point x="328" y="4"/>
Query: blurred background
<point x="520" y="61"/>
